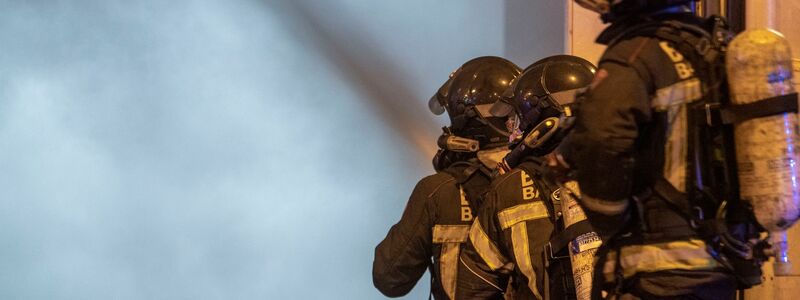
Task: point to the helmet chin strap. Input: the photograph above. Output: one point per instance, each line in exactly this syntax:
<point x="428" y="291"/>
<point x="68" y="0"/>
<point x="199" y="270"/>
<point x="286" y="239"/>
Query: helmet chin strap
<point x="495" y="128"/>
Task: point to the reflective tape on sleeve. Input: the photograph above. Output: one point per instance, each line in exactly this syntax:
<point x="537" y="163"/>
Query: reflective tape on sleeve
<point x="676" y="94"/>
<point x="485" y="247"/>
<point x="523" y="212"/>
<point x="450" y="233"/>
<point x="677" y="255"/>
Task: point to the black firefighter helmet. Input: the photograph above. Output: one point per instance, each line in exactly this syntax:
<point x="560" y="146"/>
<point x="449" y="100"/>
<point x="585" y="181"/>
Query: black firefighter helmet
<point x="542" y="100"/>
<point x="613" y="10"/>
<point x="469" y="95"/>
<point x="545" y="89"/>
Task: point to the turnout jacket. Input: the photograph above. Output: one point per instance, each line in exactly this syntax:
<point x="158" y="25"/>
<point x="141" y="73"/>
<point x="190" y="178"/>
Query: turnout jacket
<point x="434" y="224"/>
<point x="631" y="132"/>
<point x="507" y="240"/>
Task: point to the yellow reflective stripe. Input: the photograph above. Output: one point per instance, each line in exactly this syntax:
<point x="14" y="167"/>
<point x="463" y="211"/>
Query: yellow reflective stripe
<point x="522" y="253"/>
<point x="678" y="93"/>
<point x="682" y="255"/>
<point x="450" y="236"/>
<point x="450" y="233"/>
<point x="485" y="247"/>
<point x="676" y="147"/>
<point x="448" y="268"/>
<point x="672" y="99"/>
<point x="523" y="212"/>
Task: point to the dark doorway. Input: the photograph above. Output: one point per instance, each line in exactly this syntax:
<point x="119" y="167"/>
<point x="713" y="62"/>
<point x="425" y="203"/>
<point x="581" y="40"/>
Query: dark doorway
<point x="733" y="10"/>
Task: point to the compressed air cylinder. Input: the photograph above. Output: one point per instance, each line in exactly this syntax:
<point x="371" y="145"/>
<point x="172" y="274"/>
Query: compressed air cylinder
<point x="582" y="249"/>
<point x="780" y="244"/>
<point x="759" y="66"/>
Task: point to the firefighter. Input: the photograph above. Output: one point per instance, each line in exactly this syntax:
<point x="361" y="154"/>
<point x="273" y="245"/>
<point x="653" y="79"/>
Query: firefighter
<point x="509" y="250"/>
<point x="438" y="214"/>
<point x="630" y="152"/>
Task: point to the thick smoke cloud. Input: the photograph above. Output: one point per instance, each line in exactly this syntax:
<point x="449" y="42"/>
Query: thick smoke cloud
<point x="216" y="149"/>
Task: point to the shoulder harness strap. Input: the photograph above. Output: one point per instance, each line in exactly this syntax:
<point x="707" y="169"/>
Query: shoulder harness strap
<point x="462" y="171"/>
<point x="563" y="236"/>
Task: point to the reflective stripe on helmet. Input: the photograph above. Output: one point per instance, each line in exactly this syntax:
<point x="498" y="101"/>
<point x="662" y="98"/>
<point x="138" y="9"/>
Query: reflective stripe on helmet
<point x="677" y="255"/>
<point x="523" y="212"/>
<point x="485" y="247"/>
<point x="522" y="254"/>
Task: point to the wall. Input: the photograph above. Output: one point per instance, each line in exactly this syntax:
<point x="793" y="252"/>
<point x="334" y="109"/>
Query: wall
<point x="534" y="30"/>
<point x="583" y="27"/>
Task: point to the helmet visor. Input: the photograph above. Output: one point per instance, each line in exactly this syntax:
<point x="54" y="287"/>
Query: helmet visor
<point x="563" y="98"/>
<point x="488" y="110"/>
<point x="501" y="109"/>
<point x="435" y="106"/>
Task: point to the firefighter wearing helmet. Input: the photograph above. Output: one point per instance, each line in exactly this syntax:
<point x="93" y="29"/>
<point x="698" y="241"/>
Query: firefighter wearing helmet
<point x="651" y="182"/>
<point x="441" y="208"/>
<point x="511" y="251"/>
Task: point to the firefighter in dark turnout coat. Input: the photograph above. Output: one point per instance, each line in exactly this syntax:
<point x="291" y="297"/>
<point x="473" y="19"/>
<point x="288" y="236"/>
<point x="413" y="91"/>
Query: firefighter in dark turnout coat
<point x="629" y="150"/>
<point x="437" y="217"/>
<point x="510" y="238"/>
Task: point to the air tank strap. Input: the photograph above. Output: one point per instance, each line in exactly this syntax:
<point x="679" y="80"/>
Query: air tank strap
<point x="713" y="230"/>
<point x="677" y="200"/>
<point x="759" y="109"/>
<point x="563" y="238"/>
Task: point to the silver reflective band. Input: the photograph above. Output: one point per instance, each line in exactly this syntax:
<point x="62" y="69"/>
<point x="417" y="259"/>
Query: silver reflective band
<point x="672" y="99"/>
<point x="523" y="212"/>
<point x="448" y="268"/>
<point x="677" y="255"/>
<point x="450" y="233"/>
<point x="485" y="247"/>
<point x="676" y="94"/>
<point x="522" y="255"/>
<point x="451" y="237"/>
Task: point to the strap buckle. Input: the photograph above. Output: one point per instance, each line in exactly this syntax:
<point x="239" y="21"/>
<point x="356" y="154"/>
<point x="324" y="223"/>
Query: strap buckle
<point x="548" y="250"/>
<point x="709" y="107"/>
<point x="697" y="217"/>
